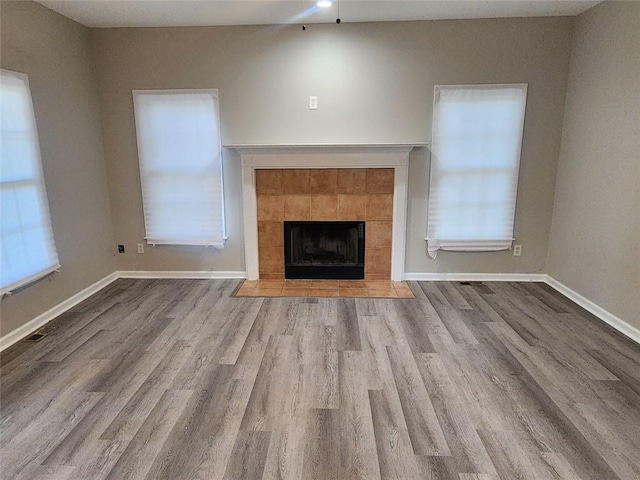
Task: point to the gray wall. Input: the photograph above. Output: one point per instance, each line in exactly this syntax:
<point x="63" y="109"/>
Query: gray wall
<point x="595" y="241"/>
<point x="54" y="52"/>
<point x="374" y="84"/>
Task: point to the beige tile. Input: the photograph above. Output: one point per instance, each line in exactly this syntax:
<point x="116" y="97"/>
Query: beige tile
<point x="270" y="208"/>
<point x="295" y="181"/>
<point x="324" y="284"/>
<point x="378" y="260"/>
<point x="323" y="181"/>
<point x="352" y="207"/>
<point x="377" y="276"/>
<point x="244" y="292"/>
<point x="272" y="276"/>
<point x="295" y="292"/>
<point x="324" y="293"/>
<point x="270" y="234"/>
<point x="270" y="283"/>
<point x="388" y="290"/>
<point x="266" y="292"/>
<point x="324" y="207"/>
<point x="405" y="295"/>
<point x="352" y="284"/>
<point x="271" y="260"/>
<point x="383" y="294"/>
<point x="378" y="234"/>
<point x="251" y="293"/>
<point x="401" y="285"/>
<point x="288" y="283"/>
<point x="380" y="207"/>
<point x="269" y="182"/>
<point x="379" y="180"/>
<point x="378" y="284"/>
<point x="404" y="291"/>
<point x="325" y="288"/>
<point x="297" y="207"/>
<point x="247" y="286"/>
<point x="353" y="292"/>
<point x="352" y="180"/>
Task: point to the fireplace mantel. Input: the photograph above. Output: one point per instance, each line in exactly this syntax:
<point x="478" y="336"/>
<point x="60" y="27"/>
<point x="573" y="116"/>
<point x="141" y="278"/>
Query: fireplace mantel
<point x="394" y="156"/>
<point x="297" y="146"/>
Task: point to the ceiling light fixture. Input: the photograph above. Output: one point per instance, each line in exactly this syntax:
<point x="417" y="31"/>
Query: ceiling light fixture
<point x="324" y="3"/>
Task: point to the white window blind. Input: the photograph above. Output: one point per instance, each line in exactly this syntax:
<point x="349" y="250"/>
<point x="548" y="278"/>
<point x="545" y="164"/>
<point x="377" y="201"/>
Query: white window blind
<point x="180" y="157"/>
<point x="477" y="138"/>
<point x="28" y="249"/>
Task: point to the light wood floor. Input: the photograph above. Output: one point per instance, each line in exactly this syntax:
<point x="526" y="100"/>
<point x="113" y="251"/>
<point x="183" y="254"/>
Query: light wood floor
<point x="179" y="380"/>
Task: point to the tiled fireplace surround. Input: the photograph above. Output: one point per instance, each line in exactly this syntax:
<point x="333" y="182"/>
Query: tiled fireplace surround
<point x="325" y="183"/>
<point x="325" y="194"/>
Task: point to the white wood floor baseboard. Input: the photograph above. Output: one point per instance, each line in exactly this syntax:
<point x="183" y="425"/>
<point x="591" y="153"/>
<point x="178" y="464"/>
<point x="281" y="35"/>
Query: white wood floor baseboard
<point x="476" y="277"/>
<point x="192" y="274"/>
<point x="616" y="322"/>
<point x="31" y="326"/>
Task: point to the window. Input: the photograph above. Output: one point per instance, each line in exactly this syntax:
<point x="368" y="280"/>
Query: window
<point x="28" y="249"/>
<point x="180" y="166"/>
<point x="477" y="136"/>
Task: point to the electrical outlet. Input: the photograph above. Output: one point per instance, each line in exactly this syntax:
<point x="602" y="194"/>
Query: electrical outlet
<point x="140" y="247"/>
<point x="120" y="248"/>
<point x="313" y="102"/>
<point x="517" y="250"/>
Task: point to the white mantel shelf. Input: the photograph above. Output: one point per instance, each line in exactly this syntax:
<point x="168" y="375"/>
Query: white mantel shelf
<point x="265" y="146"/>
<point x="341" y="155"/>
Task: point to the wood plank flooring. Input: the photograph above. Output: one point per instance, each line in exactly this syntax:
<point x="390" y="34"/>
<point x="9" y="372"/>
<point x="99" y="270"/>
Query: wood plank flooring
<point x="178" y="379"/>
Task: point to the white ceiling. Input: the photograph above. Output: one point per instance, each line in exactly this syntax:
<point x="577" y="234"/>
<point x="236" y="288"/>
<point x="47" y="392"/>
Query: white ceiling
<point x="173" y="13"/>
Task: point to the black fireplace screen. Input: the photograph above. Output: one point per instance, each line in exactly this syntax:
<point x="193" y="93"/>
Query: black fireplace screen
<point x="331" y="250"/>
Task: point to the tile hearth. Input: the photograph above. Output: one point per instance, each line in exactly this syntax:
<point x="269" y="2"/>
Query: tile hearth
<point x="325" y="288"/>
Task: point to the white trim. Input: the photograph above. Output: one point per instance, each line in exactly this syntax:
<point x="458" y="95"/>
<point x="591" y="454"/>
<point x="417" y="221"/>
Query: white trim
<point x="22" y="331"/>
<point x="399" y="222"/>
<point x="616" y="322"/>
<point x="394" y="156"/>
<point x="475" y="277"/>
<point x="186" y="274"/>
<point x="328" y="157"/>
<point x="250" y="219"/>
<point x="264" y="146"/>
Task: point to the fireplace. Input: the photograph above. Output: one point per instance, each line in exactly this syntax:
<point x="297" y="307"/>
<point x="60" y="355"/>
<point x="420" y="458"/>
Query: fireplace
<point x="324" y="250"/>
<point x="323" y="183"/>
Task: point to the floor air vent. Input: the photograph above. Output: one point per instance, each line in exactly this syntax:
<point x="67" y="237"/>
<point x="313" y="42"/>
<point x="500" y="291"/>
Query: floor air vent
<point x="35" y="337"/>
<point x="473" y="284"/>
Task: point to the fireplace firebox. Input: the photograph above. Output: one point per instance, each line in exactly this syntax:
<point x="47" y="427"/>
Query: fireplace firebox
<point x="324" y="250"/>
